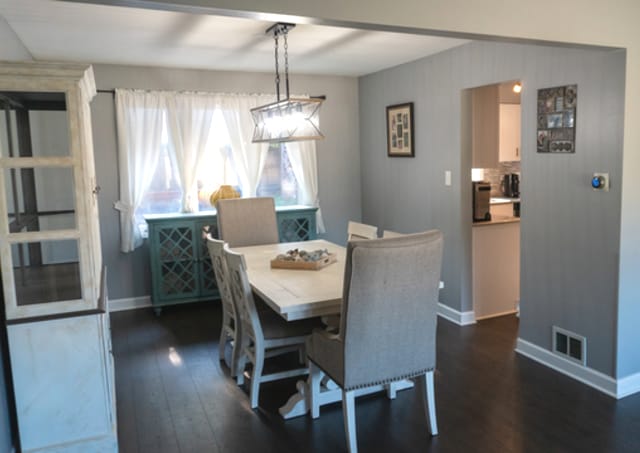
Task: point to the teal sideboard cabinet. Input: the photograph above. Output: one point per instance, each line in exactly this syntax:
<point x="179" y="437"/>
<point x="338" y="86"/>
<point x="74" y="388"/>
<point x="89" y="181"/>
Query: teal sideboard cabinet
<point x="181" y="270"/>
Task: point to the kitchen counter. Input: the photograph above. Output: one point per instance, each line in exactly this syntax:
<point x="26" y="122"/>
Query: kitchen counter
<point x="498" y="220"/>
<point x="503" y="200"/>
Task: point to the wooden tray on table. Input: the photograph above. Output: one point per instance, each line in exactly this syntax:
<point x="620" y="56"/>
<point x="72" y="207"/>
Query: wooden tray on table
<point x="304" y="265"/>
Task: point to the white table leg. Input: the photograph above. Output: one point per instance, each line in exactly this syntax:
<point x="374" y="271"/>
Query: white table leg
<point x="299" y="403"/>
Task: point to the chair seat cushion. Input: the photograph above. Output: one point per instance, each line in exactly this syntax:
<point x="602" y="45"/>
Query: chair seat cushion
<point x="274" y="326"/>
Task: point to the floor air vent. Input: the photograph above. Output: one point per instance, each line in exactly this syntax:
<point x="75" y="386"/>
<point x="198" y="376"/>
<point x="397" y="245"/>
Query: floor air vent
<point x="569" y="345"/>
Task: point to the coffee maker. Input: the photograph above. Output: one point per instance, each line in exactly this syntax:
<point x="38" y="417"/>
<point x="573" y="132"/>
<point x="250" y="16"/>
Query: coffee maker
<point x="511" y="185"/>
<point x="481" y="201"/>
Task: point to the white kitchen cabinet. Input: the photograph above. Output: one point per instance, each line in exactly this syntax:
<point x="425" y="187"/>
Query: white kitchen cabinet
<point x="496" y="269"/>
<point x="509" y="132"/>
<point x="484" y="126"/>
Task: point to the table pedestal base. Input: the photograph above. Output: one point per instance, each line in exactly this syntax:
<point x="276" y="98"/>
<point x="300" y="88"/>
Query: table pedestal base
<point x="298" y="403"/>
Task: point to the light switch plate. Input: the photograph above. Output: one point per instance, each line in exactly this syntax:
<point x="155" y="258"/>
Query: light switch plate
<point x="447" y="177"/>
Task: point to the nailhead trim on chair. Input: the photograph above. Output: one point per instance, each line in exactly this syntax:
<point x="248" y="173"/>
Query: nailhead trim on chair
<point x="388" y="381"/>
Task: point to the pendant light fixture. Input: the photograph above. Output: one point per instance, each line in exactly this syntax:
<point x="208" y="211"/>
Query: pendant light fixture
<point x="289" y="119"/>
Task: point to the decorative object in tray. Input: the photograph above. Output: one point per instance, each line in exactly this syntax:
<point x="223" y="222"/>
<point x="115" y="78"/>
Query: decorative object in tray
<point x="301" y="259"/>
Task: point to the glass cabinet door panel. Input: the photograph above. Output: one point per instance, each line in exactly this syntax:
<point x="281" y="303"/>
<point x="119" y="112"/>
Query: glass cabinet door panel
<point x="33" y="124"/>
<point x="44" y="197"/>
<point x="46" y="271"/>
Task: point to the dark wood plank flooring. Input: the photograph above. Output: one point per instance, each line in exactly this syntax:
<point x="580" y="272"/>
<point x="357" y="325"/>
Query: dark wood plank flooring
<point x="173" y="395"/>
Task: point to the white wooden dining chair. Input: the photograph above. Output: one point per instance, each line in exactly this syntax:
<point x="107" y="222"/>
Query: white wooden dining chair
<point x="231" y="330"/>
<point x="357" y="230"/>
<point x="264" y="333"/>
<point x="388" y="325"/>
<point x="391" y="234"/>
<point x="243" y="222"/>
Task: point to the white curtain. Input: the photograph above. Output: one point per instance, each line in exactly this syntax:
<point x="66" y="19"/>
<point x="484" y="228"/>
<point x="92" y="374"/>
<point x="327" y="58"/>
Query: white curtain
<point x="189" y="118"/>
<point x="139" y="117"/>
<point x="304" y="164"/>
<point x="248" y="157"/>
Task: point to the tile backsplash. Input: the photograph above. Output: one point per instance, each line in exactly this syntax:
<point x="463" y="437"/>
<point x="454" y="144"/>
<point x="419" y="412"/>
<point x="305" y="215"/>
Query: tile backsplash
<point x="494" y="175"/>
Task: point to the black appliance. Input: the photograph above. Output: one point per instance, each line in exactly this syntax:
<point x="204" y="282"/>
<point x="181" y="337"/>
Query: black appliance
<point x="511" y="185"/>
<point x="481" y="197"/>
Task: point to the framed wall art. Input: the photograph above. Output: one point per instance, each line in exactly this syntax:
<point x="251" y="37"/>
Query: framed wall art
<point x="557" y="119"/>
<point x="400" y="138"/>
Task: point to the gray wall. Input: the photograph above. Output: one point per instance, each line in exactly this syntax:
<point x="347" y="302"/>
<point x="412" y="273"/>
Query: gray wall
<point x="338" y="153"/>
<point x="570" y="234"/>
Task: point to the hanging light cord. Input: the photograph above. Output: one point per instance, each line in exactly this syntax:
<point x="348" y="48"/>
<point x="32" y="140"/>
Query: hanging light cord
<point x="286" y="62"/>
<point x="281" y="29"/>
<point x="275" y="38"/>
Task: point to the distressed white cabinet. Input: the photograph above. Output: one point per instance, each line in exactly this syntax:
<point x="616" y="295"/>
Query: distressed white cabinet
<point x="64" y="384"/>
<point x="509" y="132"/>
<point x="51" y="263"/>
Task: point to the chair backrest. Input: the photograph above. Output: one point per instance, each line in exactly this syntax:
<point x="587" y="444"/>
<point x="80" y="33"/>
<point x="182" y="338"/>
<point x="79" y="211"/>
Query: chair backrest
<point x="243" y="296"/>
<point x="389" y="311"/>
<point x="357" y="231"/>
<point x="391" y="234"/>
<point x="219" y="264"/>
<point x="243" y="222"/>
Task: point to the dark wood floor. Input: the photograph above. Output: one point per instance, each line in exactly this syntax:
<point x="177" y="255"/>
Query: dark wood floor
<point x="174" y="396"/>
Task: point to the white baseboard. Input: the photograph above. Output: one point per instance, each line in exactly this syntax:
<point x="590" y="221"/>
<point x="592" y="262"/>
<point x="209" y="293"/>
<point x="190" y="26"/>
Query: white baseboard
<point x="628" y="385"/>
<point x="461" y="318"/>
<point x="496" y="315"/>
<point x="606" y="384"/>
<point x="130" y="303"/>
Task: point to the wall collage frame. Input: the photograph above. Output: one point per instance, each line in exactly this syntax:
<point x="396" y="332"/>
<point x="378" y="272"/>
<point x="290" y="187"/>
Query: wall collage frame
<point x="556" y="130"/>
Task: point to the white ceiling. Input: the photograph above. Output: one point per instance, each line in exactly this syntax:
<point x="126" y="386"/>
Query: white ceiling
<point x="54" y="30"/>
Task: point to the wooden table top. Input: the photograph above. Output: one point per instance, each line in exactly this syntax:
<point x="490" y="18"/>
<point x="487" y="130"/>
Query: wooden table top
<point x="293" y="293"/>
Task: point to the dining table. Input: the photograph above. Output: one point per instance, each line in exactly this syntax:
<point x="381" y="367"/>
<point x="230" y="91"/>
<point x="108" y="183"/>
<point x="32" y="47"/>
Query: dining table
<point x="301" y="294"/>
<point x="294" y="293"/>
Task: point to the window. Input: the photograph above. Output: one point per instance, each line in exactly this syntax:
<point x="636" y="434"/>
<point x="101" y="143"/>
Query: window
<point x="217" y="168"/>
<point x="166" y="174"/>
<point x="278" y="180"/>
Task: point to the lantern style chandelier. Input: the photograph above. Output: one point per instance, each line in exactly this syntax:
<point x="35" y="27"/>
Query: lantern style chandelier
<point x="289" y="119"/>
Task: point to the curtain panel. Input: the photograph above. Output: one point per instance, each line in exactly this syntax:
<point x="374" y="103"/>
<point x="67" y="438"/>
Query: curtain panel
<point x="304" y="163"/>
<point x="189" y="117"/>
<point x="249" y="157"/>
<point x="139" y="120"/>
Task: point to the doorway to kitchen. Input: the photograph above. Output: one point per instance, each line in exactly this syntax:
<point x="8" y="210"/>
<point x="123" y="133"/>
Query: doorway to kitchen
<point x="494" y="189"/>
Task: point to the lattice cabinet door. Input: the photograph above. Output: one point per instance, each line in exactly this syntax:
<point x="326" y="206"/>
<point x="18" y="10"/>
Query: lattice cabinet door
<point x="297" y="225"/>
<point x="174" y="262"/>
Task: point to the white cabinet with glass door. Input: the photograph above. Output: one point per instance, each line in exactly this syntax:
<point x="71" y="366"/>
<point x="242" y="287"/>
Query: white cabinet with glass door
<point x="51" y="264"/>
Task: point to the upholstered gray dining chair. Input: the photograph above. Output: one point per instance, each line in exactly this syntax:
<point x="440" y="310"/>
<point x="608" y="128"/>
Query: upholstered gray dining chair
<point x="231" y="331"/>
<point x="243" y="222"/>
<point x="264" y="332"/>
<point x="388" y="323"/>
